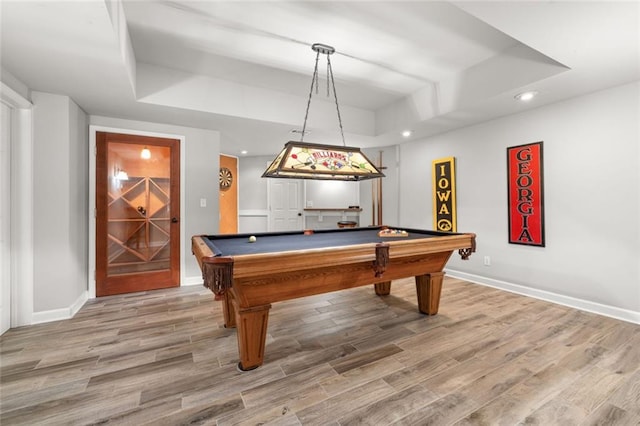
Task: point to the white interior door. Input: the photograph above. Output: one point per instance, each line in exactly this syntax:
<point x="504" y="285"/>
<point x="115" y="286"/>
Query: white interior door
<point x="285" y="204"/>
<point x="5" y="218"/>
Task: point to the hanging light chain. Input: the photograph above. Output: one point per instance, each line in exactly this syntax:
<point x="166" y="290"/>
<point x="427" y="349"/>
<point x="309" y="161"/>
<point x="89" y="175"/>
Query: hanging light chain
<point x="314" y="81"/>
<point x="325" y="50"/>
<point x="328" y="72"/>
<point x="315" y="73"/>
<point x="335" y="95"/>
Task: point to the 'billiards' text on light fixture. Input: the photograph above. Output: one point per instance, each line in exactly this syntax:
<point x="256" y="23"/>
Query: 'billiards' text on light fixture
<point x="303" y="160"/>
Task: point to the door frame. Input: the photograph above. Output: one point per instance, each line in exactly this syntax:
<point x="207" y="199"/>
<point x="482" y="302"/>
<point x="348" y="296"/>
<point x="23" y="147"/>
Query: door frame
<point x="5" y="218"/>
<point x="21" y="261"/>
<point x="93" y="129"/>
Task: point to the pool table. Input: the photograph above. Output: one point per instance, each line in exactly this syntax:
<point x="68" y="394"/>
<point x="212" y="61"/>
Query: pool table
<point x="249" y="276"/>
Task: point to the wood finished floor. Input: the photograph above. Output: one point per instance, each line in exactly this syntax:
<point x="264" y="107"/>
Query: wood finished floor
<point x="347" y="358"/>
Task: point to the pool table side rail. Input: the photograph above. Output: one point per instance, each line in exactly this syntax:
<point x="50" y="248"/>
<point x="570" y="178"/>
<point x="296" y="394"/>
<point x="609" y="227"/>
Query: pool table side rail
<point x="329" y="231"/>
<point x="264" y="263"/>
<point x="269" y="263"/>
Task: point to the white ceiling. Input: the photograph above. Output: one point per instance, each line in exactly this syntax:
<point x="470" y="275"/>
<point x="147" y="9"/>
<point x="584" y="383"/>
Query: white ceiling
<point x="244" y="68"/>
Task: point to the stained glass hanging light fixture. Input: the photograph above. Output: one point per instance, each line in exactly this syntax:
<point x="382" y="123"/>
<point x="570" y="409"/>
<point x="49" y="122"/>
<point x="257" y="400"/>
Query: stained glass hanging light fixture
<point x="303" y="160"/>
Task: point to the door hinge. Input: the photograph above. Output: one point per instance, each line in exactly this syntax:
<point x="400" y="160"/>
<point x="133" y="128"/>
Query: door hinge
<point x="95" y="212"/>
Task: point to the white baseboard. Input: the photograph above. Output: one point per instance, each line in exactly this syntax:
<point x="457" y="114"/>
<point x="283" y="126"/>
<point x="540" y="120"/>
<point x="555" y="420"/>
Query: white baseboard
<point x="5" y="326"/>
<point x="192" y="281"/>
<point x="69" y="312"/>
<point x="572" y="302"/>
<point x="253" y="213"/>
<point x="62" y="313"/>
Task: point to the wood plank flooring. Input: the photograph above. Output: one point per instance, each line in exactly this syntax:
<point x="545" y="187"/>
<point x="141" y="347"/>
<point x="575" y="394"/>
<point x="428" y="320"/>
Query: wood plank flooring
<point x="346" y="358"/>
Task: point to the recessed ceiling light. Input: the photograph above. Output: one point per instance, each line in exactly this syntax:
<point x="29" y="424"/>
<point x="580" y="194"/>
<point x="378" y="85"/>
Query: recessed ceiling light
<point x="406" y="133"/>
<point x="526" y="96"/>
<point x="244" y="152"/>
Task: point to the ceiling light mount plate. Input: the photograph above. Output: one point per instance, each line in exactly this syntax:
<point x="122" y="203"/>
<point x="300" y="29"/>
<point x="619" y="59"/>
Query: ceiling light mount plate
<point x="324" y="49"/>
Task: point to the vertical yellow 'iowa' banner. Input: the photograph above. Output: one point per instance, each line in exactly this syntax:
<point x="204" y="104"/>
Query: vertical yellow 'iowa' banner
<point x="444" y="194"/>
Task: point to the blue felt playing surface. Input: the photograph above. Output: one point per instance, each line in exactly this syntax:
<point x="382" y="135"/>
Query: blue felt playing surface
<point x="234" y="245"/>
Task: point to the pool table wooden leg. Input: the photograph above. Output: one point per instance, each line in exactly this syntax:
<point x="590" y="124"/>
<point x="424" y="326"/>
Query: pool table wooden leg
<point x="428" y="288"/>
<point x="228" y="311"/>
<point x="383" y="289"/>
<point x="252" y="335"/>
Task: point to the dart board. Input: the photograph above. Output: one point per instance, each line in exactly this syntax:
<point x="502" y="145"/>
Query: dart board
<point x="225" y="178"/>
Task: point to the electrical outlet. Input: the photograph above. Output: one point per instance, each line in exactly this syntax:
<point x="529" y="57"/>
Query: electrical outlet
<point x="487" y="261"/>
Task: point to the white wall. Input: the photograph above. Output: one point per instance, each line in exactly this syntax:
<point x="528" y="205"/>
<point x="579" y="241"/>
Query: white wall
<point x="592" y="192"/>
<point x="200" y="172"/>
<point x="331" y="194"/>
<point x="59" y="204"/>
<point x="252" y="196"/>
<point x="390" y="187"/>
<point x="79" y="185"/>
<point x="327" y="194"/>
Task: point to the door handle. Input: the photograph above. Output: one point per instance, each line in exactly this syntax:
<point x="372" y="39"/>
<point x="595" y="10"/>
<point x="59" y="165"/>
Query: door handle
<point x="174" y="220"/>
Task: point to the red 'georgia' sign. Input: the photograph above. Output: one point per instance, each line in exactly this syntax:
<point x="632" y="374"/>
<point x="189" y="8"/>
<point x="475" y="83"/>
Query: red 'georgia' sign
<point x="526" y="194"/>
